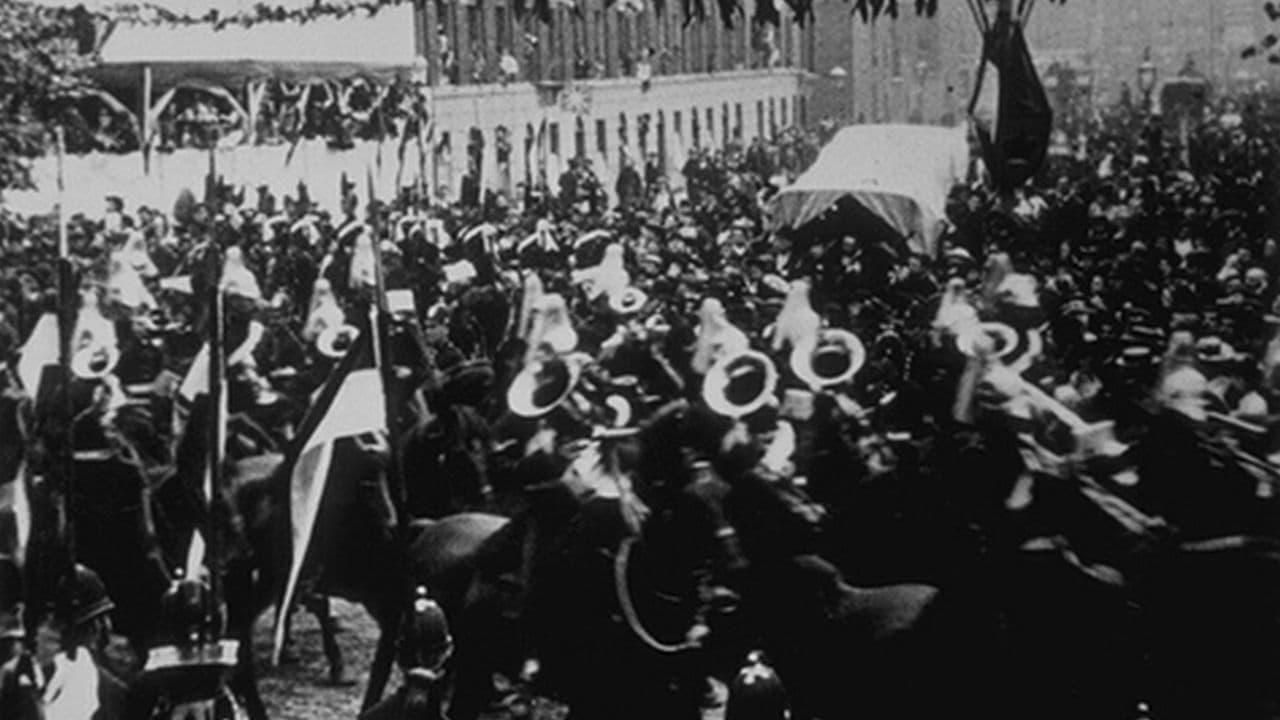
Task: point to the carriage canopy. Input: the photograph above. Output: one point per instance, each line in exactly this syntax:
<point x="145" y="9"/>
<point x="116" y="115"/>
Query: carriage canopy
<point x="900" y="173"/>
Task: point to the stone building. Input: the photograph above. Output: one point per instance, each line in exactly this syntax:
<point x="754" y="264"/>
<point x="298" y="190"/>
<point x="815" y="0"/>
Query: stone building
<point x="922" y="69"/>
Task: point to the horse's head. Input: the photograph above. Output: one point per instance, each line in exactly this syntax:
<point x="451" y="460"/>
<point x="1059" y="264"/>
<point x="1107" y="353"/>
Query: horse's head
<point x="673" y="444"/>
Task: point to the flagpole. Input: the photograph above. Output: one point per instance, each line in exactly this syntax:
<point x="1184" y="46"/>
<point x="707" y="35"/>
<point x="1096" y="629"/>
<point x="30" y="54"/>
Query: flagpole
<point x="64" y="250"/>
<point x="211" y="184"/>
<point x="217" y="432"/>
<point x="379" y="322"/>
<point x="63" y="458"/>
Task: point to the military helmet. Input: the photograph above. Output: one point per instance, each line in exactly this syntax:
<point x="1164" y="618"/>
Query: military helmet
<point x="82" y="597"/>
<point x="188" y="658"/>
<point x="757" y="693"/>
<point x="426" y="642"/>
<point x="188" y="614"/>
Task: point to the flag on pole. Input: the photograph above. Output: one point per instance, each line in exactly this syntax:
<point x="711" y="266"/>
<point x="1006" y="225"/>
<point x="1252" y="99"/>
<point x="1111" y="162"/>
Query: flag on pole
<point x="15" y="515"/>
<point x="192" y="415"/>
<point x="1010" y="111"/>
<point x="39" y="353"/>
<point x="15" y="503"/>
<point x="350" y="404"/>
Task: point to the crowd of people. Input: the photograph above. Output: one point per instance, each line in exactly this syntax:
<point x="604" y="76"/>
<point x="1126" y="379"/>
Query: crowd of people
<point x="1115" y="324"/>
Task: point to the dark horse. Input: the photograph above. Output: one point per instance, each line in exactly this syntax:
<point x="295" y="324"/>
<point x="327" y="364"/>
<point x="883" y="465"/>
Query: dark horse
<point x="607" y="592"/>
<point x="900" y="650"/>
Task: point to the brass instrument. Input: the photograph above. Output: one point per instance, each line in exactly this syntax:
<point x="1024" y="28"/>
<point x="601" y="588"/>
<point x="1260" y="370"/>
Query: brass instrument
<point x="542" y="386"/>
<point x="95" y="361"/>
<point x="830" y="359"/>
<point x="739" y="384"/>
<point x="334" y="341"/>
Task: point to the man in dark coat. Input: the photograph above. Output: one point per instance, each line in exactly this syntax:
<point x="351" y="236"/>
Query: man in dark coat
<point x="630" y="186"/>
<point x="1185" y="474"/>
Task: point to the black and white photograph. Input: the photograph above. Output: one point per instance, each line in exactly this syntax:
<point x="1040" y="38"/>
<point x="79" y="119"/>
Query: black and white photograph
<point x="639" y="359"/>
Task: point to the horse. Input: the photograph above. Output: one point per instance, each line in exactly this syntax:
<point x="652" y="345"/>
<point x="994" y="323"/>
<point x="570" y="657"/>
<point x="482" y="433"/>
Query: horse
<point x="610" y="605"/>
<point x="893" y="647"/>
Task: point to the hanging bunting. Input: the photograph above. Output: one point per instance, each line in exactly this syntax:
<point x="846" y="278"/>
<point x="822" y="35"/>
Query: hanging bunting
<point x="767" y="13"/>
<point x="694" y="10"/>
<point x="543" y="10"/>
<point x="728" y="9"/>
<point x="802" y="10"/>
<point x="1012" y="117"/>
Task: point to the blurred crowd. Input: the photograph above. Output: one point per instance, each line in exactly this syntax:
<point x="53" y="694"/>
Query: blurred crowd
<point x="1128" y="297"/>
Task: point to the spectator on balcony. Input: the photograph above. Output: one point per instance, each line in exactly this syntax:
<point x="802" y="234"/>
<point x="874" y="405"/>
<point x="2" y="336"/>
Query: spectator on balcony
<point x="644" y="69"/>
<point x="509" y="67"/>
<point x="652" y="169"/>
<point x="479" y="68"/>
<point x="581" y="67"/>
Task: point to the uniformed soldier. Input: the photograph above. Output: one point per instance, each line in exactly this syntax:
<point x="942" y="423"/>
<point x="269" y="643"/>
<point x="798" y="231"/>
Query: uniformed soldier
<point x="424" y="648"/>
<point x="757" y="693"/>
<point x="188" y="668"/>
<point x="79" y="687"/>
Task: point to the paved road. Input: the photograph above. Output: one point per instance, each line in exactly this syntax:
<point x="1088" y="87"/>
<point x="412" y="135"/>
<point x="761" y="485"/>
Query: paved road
<point x="301" y="691"/>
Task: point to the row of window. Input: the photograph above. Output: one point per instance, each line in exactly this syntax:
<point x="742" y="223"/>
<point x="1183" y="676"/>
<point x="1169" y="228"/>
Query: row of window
<point x="708" y="127"/>
<point x="483" y="41"/>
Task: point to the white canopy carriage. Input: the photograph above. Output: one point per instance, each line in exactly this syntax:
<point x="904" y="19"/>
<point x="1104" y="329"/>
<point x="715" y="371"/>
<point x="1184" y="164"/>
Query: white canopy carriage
<point x="900" y="173"/>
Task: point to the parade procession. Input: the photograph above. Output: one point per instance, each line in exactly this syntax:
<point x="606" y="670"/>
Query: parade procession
<point x="620" y="360"/>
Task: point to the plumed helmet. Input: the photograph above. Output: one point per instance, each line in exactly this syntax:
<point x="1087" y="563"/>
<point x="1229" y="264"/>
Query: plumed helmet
<point x="186" y="611"/>
<point x="756" y="692"/>
<point x="82" y="597"/>
<point x="797" y="323"/>
<point x="184" y="207"/>
<point x="427" y="642"/>
<point x="237" y="279"/>
<point x="188" y="658"/>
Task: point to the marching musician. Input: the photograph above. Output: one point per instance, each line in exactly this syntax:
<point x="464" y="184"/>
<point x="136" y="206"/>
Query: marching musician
<point x="424" y="646"/>
<point x="1186" y="472"/>
<point x="78" y="685"/>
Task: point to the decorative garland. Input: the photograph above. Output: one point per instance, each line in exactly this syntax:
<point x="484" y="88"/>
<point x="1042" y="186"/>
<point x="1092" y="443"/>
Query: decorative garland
<point x="134" y="13"/>
<point x="145" y="13"/>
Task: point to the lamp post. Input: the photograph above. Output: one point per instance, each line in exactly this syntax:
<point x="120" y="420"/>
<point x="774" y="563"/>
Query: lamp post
<point x="1147" y="75"/>
<point x="840" y="76"/>
<point x="922" y="74"/>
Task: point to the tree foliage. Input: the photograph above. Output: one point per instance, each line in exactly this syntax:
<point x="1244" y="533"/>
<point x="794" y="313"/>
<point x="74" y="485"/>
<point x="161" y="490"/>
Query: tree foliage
<point x="39" y="61"/>
<point x="42" y="48"/>
<point x="1268" y="44"/>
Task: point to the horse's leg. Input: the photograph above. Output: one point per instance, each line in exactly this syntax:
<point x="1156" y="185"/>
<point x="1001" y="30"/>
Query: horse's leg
<point x="477" y="641"/>
<point x="380" y="669"/>
<point x="243" y="607"/>
<point x="320" y="606"/>
<point x="472" y="682"/>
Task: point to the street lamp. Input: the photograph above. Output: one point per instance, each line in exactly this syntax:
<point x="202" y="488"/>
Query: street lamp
<point x="1147" y="74"/>
<point x="922" y="75"/>
<point x="840" y="76"/>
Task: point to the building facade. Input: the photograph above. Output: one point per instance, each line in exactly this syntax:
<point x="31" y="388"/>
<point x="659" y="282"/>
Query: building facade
<point x="600" y="81"/>
<point x="923" y="69"/>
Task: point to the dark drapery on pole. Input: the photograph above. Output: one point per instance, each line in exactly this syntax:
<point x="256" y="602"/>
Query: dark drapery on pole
<point x="1014" y="146"/>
